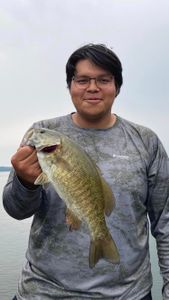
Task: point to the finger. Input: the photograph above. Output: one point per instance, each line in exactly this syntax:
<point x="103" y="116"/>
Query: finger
<point x="35" y="166"/>
<point x="32" y="158"/>
<point x="24" y="152"/>
<point x="24" y="158"/>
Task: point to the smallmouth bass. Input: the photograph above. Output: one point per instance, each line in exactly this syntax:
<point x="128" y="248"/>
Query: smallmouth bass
<point x="79" y="183"/>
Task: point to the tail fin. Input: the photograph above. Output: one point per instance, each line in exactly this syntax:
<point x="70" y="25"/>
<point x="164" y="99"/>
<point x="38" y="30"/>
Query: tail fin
<point x="103" y="249"/>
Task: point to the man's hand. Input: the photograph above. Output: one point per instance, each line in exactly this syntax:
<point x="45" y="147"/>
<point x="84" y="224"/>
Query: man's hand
<point x="26" y="165"/>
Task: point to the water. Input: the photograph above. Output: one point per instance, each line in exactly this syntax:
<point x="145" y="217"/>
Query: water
<point x="14" y="240"/>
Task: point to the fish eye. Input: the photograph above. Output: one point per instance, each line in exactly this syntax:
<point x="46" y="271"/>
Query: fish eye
<point x="42" y="131"/>
<point x="49" y="149"/>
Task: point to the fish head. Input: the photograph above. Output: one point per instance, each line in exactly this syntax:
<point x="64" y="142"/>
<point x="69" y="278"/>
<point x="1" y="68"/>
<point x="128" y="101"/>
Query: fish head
<point x="45" y="141"/>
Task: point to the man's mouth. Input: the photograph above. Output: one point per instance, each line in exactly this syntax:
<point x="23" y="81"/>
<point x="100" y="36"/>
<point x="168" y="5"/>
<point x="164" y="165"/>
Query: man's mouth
<point x="93" y="100"/>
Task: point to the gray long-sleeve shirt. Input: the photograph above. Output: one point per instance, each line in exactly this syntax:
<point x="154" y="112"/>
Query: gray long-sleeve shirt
<point x="134" y="163"/>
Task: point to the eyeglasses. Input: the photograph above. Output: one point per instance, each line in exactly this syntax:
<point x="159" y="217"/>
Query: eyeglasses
<point x="83" y="82"/>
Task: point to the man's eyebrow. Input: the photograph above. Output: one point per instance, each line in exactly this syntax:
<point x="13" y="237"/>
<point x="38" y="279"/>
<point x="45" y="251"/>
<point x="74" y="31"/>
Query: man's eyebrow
<point x="85" y="75"/>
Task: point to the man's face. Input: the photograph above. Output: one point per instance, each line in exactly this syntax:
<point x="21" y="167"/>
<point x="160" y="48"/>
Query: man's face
<point x="92" y="101"/>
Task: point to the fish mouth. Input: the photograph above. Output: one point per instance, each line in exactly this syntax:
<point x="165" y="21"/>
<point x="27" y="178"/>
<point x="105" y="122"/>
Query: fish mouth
<point x="47" y="148"/>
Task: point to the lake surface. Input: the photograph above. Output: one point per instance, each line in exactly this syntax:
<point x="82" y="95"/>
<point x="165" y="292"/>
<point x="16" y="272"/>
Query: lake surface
<point x="13" y="244"/>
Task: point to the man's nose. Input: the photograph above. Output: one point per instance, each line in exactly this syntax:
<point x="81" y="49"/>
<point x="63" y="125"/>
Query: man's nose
<point x="92" y="85"/>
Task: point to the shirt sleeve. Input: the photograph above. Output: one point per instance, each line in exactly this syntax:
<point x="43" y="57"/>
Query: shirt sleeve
<point x="158" y="209"/>
<point x="20" y="202"/>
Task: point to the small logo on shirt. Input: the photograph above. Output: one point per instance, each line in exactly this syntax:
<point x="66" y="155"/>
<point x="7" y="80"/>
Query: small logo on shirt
<point x="120" y="156"/>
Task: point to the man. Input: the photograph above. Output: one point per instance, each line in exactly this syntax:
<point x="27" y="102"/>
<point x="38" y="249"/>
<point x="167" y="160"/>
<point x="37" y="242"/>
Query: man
<point x="135" y="165"/>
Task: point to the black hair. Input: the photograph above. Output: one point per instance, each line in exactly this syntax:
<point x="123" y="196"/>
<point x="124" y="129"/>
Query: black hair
<point x="101" y="56"/>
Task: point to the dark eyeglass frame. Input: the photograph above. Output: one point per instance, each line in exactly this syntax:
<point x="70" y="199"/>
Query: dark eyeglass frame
<point x="101" y="81"/>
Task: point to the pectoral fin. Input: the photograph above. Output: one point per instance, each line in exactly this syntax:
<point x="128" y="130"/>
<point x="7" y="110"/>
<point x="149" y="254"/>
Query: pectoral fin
<point x="41" y="179"/>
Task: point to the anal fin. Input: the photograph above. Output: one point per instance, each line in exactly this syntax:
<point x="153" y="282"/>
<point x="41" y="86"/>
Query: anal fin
<point x="72" y="220"/>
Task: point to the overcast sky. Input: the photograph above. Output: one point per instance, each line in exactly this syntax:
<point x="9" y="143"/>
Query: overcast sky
<point x="38" y="36"/>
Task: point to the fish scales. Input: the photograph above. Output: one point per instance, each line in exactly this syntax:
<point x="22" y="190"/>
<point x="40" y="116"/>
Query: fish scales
<point x="78" y="177"/>
<point x="79" y="188"/>
<point x="79" y="183"/>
